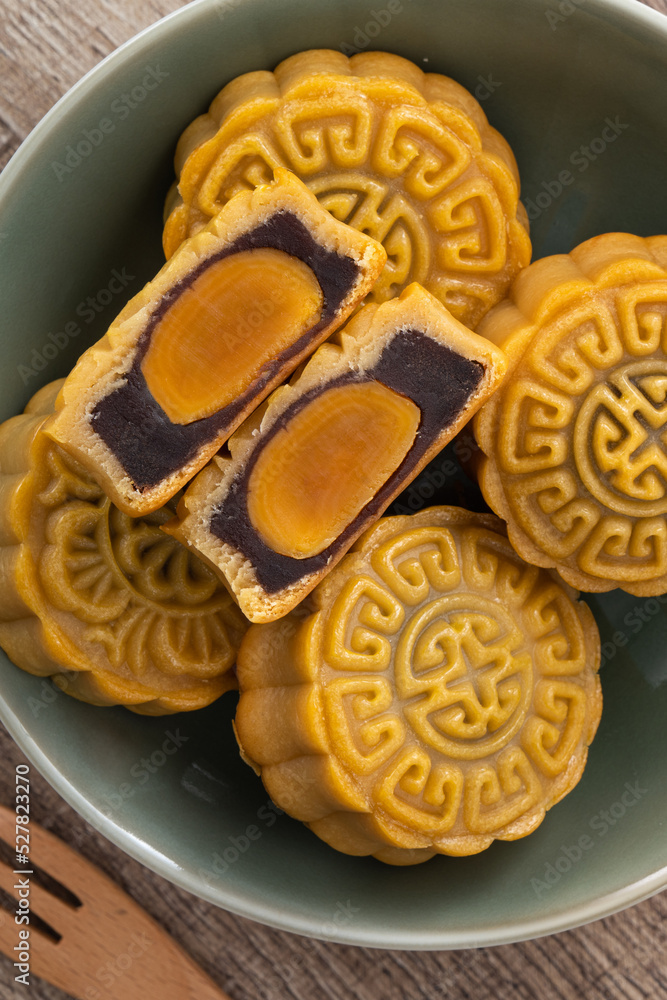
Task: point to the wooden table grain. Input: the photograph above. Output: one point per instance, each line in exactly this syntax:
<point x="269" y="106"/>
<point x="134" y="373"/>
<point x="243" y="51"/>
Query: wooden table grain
<point x="45" y="47"/>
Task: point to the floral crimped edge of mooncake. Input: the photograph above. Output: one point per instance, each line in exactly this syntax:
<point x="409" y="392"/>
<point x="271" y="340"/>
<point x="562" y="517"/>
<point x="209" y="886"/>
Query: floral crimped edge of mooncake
<point x="227" y="319"/>
<point x="111" y="608"/>
<point x="575" y="441"/>
<point x="434" y="693"/>
<point x="407" y="156"/>
<point x="326" y="455"/>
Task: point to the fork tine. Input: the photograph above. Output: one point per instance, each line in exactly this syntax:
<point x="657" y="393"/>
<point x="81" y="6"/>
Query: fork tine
<point x="48" y="852"/>
<point x="44" y="952"/>
<point x="108" y="926"/>
<point x="9" y="938"/>
<point x="56" y="913"/>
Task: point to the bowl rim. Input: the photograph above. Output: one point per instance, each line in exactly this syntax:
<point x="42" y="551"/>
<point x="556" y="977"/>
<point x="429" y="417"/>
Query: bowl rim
<point x="244" y="903"/>
<point x="239" y="903"/>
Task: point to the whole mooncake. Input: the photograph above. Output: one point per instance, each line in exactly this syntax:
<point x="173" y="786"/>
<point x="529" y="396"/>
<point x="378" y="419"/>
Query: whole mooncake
<point x="227" y="319"/>
<point x="115" y="611"/>
<point x="576" y="438"/>
<point x="326" y="455"/>
<point x="406" y="156"/>
<point x="435" y="694"/>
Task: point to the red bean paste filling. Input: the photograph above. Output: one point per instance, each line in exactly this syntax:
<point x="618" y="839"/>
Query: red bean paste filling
<point x="135" y="427"/>
<point x="437" y="379"/>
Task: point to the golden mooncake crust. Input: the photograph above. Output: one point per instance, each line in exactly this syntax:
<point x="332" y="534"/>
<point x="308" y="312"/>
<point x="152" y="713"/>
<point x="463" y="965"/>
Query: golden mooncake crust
<point x="407" y="156"/>
<point x="111" y="608"/>
<point x="434" y="694"/>
<point x="576" y="438"/>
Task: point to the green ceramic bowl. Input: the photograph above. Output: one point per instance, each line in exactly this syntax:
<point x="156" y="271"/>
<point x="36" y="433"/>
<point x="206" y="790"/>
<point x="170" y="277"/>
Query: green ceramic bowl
<point x="79" y="202"/>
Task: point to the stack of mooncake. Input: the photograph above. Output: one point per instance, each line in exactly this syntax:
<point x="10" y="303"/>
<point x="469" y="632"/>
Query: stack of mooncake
<point x="199" y="506"/>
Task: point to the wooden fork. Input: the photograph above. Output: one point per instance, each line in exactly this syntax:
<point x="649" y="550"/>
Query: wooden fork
<point x="105" y="946"/>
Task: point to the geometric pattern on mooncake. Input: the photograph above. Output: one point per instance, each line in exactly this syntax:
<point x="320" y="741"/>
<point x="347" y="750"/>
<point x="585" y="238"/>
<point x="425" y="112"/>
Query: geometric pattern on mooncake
<point x="405" y="156"/>
<point x="576" y="438"/>
<point x="108" y="606"/>
<point x="324" y="456"/>
<point x="226" y="320"/>
<point x="438" y="694"/>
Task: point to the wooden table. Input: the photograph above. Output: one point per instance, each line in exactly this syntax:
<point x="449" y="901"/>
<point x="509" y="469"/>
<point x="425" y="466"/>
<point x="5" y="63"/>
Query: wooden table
<point x="45" y="47"/>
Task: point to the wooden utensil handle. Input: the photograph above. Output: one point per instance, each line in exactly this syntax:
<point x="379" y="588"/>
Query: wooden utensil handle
<point x="183" y="979"/>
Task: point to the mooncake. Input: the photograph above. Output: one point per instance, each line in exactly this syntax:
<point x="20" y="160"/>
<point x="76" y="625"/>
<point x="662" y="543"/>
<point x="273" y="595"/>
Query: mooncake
<point x="406" y="156"/>
<point x="433" y="694"/>
<point x="575" y="441"/>
<point x="111" y="608"/>
<point x="326" y="455"/>
<point x="228" y="318"/>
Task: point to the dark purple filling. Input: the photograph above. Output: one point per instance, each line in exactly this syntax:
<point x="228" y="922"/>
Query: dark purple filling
<point x="136" y="428"/>
<point x="437" y="379"/>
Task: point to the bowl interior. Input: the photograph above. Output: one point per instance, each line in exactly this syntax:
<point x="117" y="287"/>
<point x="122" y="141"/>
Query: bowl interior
<point x="582" y="98"/>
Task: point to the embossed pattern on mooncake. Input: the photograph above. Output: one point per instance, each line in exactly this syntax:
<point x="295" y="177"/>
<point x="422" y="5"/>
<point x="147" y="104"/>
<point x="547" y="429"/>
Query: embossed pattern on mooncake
<point x="441" y="693"/>
<point x="110" y="607"/>
<point x="405" y="156"/>
<point x="576" y="438"/>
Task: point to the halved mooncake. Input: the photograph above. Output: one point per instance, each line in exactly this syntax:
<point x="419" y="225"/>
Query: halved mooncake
<point x="576" y="438"/>
<point x="228" y="318"/>
<point x="111" y="608"/>
<point x="406" y="156"/>
<point x="434" y="693"/>
<point x="326" y="455"/>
